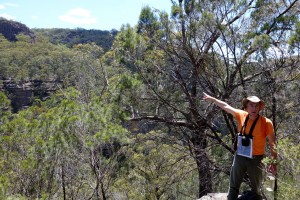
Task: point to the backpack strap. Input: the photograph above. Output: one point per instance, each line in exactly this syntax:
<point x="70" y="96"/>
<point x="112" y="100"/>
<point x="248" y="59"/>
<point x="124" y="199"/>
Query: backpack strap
<point x="244" y="126"/>
<point x="251" y="129"/>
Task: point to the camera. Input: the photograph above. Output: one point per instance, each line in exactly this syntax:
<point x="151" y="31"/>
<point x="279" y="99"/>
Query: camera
<point x="245" y="141"/>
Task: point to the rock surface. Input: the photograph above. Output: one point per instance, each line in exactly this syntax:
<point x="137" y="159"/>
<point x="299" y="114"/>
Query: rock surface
<point x="23" y="93"/>
<point x="214" y="196"/>
<point x="10" y="29"/>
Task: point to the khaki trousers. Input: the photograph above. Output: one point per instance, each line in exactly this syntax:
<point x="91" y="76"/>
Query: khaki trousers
<point x="242" y="165"/>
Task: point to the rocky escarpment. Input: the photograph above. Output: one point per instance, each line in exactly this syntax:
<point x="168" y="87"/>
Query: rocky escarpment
<point x="23" y="93"/>
<point x="10" y="29"/>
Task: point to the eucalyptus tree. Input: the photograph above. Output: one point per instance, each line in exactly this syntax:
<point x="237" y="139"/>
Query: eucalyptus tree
<point x="221" y="47"/>
<point x="5" y="113"/>
<point x="39" y="60"/>
<point x="156" y="169"/>
<point x="5" y="107"/>
<point x="63" y="148"/>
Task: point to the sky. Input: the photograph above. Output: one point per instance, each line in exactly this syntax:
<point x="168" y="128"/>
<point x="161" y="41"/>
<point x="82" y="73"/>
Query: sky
<point x="87" y="14"/>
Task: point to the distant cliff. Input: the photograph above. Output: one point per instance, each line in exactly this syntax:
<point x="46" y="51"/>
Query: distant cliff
<point x="22" y="94"/>
<point x="10" y="29"/>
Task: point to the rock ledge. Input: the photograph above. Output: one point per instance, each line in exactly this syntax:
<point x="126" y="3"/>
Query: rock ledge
<point x="214" y="196"/>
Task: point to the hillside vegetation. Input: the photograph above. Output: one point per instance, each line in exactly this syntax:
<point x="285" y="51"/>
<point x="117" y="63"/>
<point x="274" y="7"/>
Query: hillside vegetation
<point x="125" y="117"/>
<point x="72" y="37"/>
<point x="69" y="37"/>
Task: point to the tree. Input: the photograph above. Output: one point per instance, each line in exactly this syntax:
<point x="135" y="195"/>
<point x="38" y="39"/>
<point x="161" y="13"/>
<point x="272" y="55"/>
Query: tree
<point x="147" y="22"/>
<point x="156" y="169"/>
<point x="289" y="169"/>
<point x="218" y="47"/>
<point x="62" y="148"/>
<point x="24" y="60"/>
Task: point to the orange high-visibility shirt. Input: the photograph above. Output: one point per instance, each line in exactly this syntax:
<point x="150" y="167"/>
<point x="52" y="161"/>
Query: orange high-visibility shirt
<point x="262" y="129"/>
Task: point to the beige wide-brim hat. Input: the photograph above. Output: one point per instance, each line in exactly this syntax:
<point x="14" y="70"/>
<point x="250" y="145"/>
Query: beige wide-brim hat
<point x="253" y="99"/>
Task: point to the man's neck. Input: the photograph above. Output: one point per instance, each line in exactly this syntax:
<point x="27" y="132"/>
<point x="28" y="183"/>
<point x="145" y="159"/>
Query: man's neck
<point x="253" y="117"/>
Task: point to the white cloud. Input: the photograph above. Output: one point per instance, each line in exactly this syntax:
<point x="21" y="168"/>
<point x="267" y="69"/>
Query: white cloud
<point x="78" y="16"/>
<point x="7" y="16"/>
<point x="11" y="4"/>
<point x="4" y="5"/>
<point x="34" y="17"/>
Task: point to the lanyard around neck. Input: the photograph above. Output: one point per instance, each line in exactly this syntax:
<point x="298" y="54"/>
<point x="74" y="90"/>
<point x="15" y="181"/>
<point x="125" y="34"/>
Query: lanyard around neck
<point x="252" y="127"/>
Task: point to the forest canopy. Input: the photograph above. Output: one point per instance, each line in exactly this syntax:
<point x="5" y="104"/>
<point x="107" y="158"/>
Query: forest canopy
<point x="126" y="119"/>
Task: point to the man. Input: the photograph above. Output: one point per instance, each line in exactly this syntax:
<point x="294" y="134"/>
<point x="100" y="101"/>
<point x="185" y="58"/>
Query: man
<point x="248" y="158"/>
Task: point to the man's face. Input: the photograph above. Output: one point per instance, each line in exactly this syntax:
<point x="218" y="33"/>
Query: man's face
<point x="253" y="109"/>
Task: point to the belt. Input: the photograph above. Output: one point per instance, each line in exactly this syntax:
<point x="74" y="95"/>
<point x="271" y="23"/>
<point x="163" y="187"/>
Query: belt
<point x="257" y="156"/>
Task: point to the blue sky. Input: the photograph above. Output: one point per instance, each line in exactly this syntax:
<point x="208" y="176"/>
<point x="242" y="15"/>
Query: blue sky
<point x="87" y="14"/>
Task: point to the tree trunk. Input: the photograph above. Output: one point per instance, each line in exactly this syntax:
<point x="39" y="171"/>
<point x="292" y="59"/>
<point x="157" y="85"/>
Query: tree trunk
<point x="63" y="182"/>
<point x="103" y="192"/>
<point x="203" y="164"/>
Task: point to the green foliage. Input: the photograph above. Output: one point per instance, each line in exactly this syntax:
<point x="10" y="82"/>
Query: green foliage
<point x="74" y="145"/>
<point x="65" y="136"/>
<point x="148" y="22"/>
<point x="5" y="105"/>
<point x="261" y="41"/>
<point x="126" y="37"/>
<point x="289" y="169"/>
<point x="295" y="37"/>
<point x="23" y="60"/>
<point x="156" y="169"/>
<point x="71" y="37"/>
<point x="176" y="10"/>
<point x="223" y="160"/>
<point x="229" y="49"/>
<point x="125" y="90"/>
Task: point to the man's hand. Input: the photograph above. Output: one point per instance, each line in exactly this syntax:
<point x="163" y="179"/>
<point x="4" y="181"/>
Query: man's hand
<point x="272" y="169"/>
<point x="207" y="97"/>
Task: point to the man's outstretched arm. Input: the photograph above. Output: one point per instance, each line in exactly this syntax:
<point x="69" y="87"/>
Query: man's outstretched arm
<point x="223" y="105"/>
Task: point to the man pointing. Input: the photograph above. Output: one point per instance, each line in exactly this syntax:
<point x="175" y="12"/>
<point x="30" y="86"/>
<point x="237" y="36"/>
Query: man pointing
<point x="254" y="129"/>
